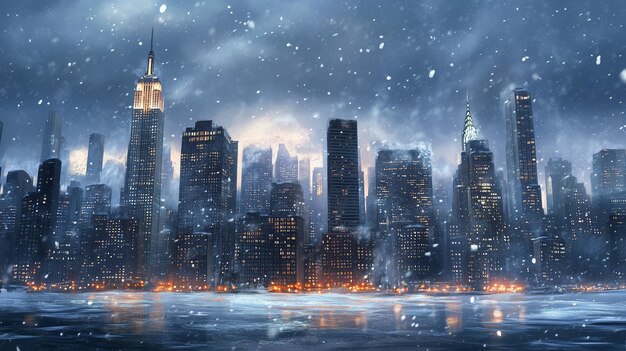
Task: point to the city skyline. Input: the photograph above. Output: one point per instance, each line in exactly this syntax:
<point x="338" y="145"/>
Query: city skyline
<point x="211" y="239"/>
<point x="312" y="174"/>
<point x="495" y="212"/>
<point x="560" y="117"/>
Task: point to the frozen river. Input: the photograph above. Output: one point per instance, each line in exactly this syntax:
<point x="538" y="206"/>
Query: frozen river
<point x="209" y="321"/>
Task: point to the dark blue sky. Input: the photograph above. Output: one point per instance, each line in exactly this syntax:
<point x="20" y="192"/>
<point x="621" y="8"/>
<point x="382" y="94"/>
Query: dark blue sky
<point x="276" y="71"/>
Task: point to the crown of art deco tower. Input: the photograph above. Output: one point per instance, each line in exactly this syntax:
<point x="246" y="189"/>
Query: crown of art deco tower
<point x="149" y="92"/>
<point x="469" y="131"/>
<point x="142" y="186"/>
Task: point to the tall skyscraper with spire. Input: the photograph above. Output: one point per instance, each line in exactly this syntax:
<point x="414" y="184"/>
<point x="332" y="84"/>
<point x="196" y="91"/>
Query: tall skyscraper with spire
<point x="142" y="186"/>
<point x="469" y="130"/>
<point x="477" y="213"/>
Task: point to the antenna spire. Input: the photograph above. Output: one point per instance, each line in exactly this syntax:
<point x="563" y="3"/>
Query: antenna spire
<point x="150" y="68"/>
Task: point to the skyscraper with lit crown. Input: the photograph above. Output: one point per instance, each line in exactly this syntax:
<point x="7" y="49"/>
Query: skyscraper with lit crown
<point x="142" y="186"/>
<point x="469" y="130"/>
<point x="477" y="212"/>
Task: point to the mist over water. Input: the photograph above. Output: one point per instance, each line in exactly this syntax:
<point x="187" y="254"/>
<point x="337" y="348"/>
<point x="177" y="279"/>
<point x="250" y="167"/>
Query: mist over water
<point x="210" y="321"/>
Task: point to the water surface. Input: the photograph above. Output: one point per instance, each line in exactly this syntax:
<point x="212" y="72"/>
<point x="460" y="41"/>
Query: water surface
<point x="264" y="321"/>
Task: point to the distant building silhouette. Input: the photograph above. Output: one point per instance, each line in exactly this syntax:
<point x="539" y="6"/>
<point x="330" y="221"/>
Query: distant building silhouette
<point x="256" y="180"/>
<point x="286" y="167"/>
<point x="304" y="177"/>
<point x="95" y="157"/>
<point x="608" y="178"/>
<point x="555" y="171"/>
<point x="319" y="213"/>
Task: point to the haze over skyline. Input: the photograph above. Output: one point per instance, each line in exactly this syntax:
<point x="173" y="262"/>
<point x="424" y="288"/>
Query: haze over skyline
<point x="272" y="73"/>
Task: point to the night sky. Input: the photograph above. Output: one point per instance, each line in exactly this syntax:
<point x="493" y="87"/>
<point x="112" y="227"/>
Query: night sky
<point x="276" y="71"/>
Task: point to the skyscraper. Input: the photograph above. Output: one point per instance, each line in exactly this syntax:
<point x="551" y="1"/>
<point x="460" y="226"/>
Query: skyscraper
<point x="142" y="186"/>
<point x="256" y="180"/>
<point x="370" y="200"/>
<point x="478" y="212"/>
<point x="304" y="177"/>
<point x="404" y="189"/>
<point x="521" y="160"/>
<point x="208" y="189"/>
<point x="318" y="182"/>
<point x="286" y="168"/>
<point x="341" y="251"/>
<point x="343" y="174"/>
<point x="18" y="185"/>
<point x="52" y="139"/>
<point x="404" y="200"/>
<point x="617" y="244"/>
<point x="64" y="156"/>
<point x="61" y="262"/>
<point x="440" y="259"/>
<point x="608" y="178"/>
<point x="37" y="223"/>
<point x="586" y="247"/>
<point x="362" y="196"/>
<point x="95" y="157"/>
<point x="555" y="171"/>
<point x="319" y="214"/>
<point x="478" y="238"/>
<point x="167" y="176"/>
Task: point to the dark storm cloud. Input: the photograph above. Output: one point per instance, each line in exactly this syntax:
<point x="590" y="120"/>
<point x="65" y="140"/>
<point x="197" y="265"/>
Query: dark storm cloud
<point x="279" y="70"/>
